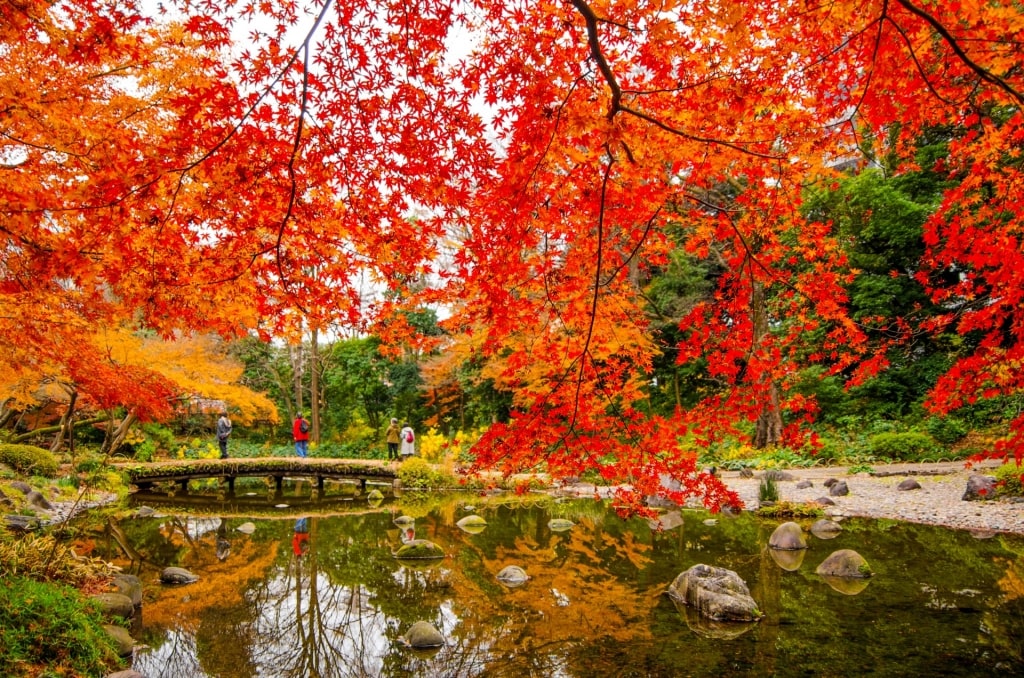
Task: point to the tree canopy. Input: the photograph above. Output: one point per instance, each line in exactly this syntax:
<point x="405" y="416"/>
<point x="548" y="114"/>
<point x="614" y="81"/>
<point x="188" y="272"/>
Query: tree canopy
<point x="260" y="167"/>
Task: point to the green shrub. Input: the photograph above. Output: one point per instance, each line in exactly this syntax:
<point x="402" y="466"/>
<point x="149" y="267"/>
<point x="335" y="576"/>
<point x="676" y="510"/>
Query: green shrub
<point x="947" y="430"/>
<point x="52" y="626"/>
<point x="1009" y="477"/>
<point x="90" y="463"/>
<point x="768" y="490"/>
<point x="418" y="473"/>
<point x="906" y="446"/>
<point x="29" y="460"/>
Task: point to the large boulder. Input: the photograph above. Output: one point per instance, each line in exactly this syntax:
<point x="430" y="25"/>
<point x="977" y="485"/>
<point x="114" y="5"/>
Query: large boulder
<point x="845" y="563"/>
<point x="788" y="537"/>
<point x="716" y="593"/>
<point x="980" y="487"/>
<point x="423" y="635"/>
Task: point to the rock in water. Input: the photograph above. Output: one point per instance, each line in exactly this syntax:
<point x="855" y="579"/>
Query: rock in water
<point x="513" y="576"/>
<point x="423" y="635"/>
<point x="845" y="563"/>
<point x="246" y="528"/>
<point x="177" y="576"/>
<point x="418" y="549"/>
<point x="787" y="537"/>
<point x="402" y="521"/>
<point x="560" y="525"/>
<point x="715" y="592"/>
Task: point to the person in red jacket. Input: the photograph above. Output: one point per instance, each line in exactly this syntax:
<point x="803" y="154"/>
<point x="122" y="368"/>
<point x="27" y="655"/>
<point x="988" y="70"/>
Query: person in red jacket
<point x="300" y="432"/>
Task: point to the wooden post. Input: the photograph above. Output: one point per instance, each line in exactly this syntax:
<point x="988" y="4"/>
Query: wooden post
<point x="184" y="485"/>
<point x="320" y="485"/>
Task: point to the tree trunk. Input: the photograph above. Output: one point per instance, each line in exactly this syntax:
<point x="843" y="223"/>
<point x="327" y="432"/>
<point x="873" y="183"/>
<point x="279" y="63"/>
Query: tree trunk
<point x="769" y="420"/>
<point x="118" y="434"/>
<point x="53" y="429"/>
<point x="314" y="386"/>
<point x="67" y="425"/>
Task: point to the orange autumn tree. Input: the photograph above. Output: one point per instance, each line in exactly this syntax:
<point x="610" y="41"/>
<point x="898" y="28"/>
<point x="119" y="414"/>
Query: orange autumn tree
<point x="284" y="150"/>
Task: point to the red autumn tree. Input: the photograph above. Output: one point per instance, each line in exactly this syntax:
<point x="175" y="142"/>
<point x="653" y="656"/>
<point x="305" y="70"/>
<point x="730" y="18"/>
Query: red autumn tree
<point x="520" y="163"/>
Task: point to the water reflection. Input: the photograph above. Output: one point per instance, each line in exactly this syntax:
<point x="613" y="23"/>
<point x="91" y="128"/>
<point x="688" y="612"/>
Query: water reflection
<point x="320" y="594"/>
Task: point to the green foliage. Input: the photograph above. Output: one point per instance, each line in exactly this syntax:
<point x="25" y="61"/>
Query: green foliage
<point x="905" y="446"/>
<point x="29" y="460"/>
<point x="768" y="489"/>
<point x="859" y="468"/>
<point x="947" y="430"/>
<point x="417" y="473"/>
<point x="785" y="509"/>
<point x="1009" y="477"/>
<point x="51" y="625"/>
<point x="90" y="463"/>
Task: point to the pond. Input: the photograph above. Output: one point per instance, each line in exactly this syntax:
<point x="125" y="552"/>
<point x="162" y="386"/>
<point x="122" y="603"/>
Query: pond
<point x="319" y="593"/>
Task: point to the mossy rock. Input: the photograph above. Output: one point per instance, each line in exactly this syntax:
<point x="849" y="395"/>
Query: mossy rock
<point x="419" y="549"/>
<point x="788" y="537"/>
<point x="29" y="460"/>
<point x="845" y="563"/>
<point x="375" y="495"/>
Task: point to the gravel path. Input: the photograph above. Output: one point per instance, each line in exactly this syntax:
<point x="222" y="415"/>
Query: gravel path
<point x="938" y="502"/>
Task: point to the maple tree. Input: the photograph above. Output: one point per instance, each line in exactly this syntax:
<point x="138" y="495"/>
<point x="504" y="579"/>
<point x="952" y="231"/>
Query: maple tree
<point x="244" y="166"/>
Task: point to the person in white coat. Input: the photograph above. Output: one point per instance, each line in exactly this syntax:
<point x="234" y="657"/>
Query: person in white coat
<point x="408" y="439"/>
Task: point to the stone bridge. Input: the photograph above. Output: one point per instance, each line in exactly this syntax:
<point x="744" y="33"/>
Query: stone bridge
<point x="145" y="475"/>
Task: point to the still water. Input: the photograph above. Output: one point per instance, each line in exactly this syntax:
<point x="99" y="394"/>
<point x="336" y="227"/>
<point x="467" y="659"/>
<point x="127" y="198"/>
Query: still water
<point x="317" y="592"/>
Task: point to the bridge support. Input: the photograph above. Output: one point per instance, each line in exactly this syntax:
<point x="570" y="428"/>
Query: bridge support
<point x="184" y="485"/>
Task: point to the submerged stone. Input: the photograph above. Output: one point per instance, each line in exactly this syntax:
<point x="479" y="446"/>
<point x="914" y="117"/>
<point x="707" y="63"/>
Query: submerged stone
<point x="177" y="576"/>
<point x="419" y="549"/>
<point x="423" y="635"/>
<point x="402" y="521"/>
<point x="246" y="528"/>
<point x="560" y="525"/>
<point x="374" y="495"/>
<point x="513" y="576"/>
<point x="790" y="560"/>
<point x="826" y="529"/>
<point x="716" y="593"/>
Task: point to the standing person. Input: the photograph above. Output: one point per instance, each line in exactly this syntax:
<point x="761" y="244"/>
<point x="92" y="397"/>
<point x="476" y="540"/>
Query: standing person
<point x="392" y="438"/>
<point x="223" y="433"/>
<point x="408" y="441"/>
<point x="300" y="432"/>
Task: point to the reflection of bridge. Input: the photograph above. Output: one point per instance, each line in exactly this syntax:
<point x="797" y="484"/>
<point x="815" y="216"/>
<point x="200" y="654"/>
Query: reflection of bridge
<point x="145" y="475"/>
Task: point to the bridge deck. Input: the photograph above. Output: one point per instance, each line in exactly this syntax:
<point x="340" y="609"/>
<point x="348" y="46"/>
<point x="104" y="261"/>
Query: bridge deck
<point x="145" y="475"/>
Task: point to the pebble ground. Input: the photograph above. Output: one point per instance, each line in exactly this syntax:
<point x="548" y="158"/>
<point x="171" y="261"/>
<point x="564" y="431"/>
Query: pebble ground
<point x="938" y="502"/>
